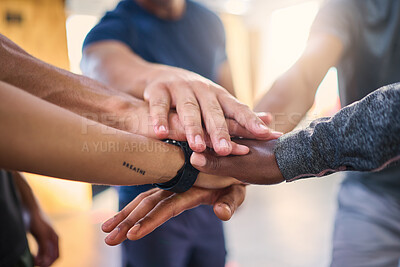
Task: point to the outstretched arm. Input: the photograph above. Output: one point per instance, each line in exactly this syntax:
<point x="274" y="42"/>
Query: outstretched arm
<point x="43" y="138"/>
<point x="292" y="94"/>
<point x="78" y="93"/>
<point x="363" y="136"/>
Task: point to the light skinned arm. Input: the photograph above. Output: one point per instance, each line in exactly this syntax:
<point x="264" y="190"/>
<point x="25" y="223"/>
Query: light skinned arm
<point x="225" y="77"/>
<point x="195" y="98"/>
<point x="43" y="138"/>
<point x="78" y="93"/>
<point x="38" y="225"/>
<point x="292" y="94"/>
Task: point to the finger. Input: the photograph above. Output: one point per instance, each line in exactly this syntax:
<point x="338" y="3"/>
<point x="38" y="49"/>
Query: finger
<point x="245" y="117"/>
<point x="168" y="208"/>
<point x="229" y="201"/>
<point x="189" y="114"/>
<point x="238" y="149"/>
<point x="214" y="121"/>
<point x="159" y="104"/>
<point x="212" y="164"/>
<point x="209" y="181"/>
<point x="266" y="117"/>
<point x="119" y="234"/>
<point x="235" y="129"/>
<point x="111" y="223"/>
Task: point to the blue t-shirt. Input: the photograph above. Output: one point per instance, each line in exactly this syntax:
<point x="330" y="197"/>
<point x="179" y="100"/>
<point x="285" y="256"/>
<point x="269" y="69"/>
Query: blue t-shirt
<point x="195" y="42"/>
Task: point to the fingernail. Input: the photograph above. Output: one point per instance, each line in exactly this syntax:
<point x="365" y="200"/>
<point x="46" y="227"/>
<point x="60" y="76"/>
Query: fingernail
<point x="242" y="149"/>
<point x="198" y="140"/>
<point x="226" y="207"/>
<point x="162" y="128"/>
<point x="276" y="133"/>
<point x="108" y="222"/>
<point x="134" y="230"/>
<point x="198" y="160"/>
<point x="223" y="143"/>
<point x="113" y="234"/>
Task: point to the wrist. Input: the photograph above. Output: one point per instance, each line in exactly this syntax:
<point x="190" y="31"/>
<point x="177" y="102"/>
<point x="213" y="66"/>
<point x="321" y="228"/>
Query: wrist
<point x="187" y="174"/>
<point x="172" y="160"/>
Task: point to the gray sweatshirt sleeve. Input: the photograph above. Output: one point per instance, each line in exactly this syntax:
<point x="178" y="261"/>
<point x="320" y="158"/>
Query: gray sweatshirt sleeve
<point x="364" y="136"/>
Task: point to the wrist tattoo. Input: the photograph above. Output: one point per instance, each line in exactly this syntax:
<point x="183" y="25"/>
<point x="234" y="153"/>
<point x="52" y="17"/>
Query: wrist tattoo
<point x="133" y="168"/>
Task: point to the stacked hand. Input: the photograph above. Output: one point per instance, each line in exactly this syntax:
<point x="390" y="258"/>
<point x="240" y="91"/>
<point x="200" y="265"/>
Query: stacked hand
<point x="154" y="207"/>
<point x="198" y="100"/>
<point x="179" y="104"/>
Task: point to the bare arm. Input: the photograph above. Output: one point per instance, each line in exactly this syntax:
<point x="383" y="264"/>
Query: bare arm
<point x="225" y="77"/>
<point x="292" y="94"/>
<point x="78" y="93"/>
<point x="46" y="139"/>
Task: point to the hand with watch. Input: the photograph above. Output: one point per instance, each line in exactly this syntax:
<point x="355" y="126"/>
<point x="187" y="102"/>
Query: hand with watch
<point x="188" y="189"/>
<point x="187" y="176"/>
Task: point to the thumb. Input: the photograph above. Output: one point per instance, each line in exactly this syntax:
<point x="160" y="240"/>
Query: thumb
<point x="227" y="203"/>
<point x="211" y="164"/>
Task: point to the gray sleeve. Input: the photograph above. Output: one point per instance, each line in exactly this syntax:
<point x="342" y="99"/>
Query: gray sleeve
<point x="364" y="136"/>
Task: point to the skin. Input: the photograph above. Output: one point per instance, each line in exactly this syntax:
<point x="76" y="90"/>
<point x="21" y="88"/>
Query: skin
<point x="39" y="225"/>
<point x="152" y="208"/>
<point x="289" y="98"/>
<point x="245" y="168"/>
<point x="35" y="128"/>
<point x="292" y="94"/>
<point x="24" y="77"/>
<point x="195" y="98"/>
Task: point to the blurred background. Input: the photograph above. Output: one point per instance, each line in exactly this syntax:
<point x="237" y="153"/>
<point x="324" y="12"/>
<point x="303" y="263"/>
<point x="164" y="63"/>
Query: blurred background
<point x="282" y="225"/>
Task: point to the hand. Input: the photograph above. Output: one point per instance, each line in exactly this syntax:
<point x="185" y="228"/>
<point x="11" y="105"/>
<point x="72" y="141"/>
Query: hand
<point x="133" y="115"/>
<point x="154" y="207"/>
<point x="257" y="167"/>
<point x="209" y="181"/>
<point x="46" y="238"/>
<point x="198" y="99"/>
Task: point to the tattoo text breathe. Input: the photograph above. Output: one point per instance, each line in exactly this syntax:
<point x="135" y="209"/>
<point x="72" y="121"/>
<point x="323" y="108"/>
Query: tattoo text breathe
<point x="133" y="168"/>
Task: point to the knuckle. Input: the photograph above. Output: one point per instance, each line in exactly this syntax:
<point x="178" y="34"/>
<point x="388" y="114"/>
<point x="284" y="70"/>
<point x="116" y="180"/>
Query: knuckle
<point x="214" y="163"/>
<point x="125" y="224"/>
<point x="148" y="201"/>
<point x="191" y="104"/>
<point x="215" y="108"/>
<point x="160" y="102"/>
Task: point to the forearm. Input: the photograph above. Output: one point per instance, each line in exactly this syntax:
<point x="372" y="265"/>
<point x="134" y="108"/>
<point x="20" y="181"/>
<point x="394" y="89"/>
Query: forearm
<point x="43" y="138"/>
<point x="288" y="100"/>
<point x="113" y="63"/>
<point x="292" y="95"/>
<point x="77" y="93"/>
<point x="363" y="137"/>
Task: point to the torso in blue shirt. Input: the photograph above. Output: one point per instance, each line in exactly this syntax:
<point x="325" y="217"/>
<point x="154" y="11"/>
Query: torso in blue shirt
<point x="195" y="42"/>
